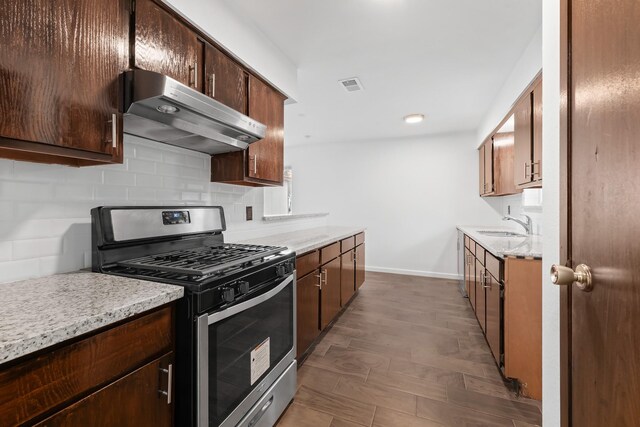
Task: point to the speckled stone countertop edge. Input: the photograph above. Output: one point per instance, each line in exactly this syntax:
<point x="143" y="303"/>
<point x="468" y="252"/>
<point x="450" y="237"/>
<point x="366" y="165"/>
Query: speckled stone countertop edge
<point x="530" y="246"/>
<point x="288" y="217"/>
<point x="36" y="341"/>
<point x="317" y="238"/>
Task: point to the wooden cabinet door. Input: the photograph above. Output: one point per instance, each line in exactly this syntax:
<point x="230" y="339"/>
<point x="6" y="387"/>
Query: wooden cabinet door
<point x="523" y="142"/>
<point x="266" y="157"/>
<point x="347" y="276"/>
<point x="537" y="133"/>
<point x="59" y="71"/>
<point x="330" y="292"/>
<point x="488" y="166"/>
<point x="503" y="153"/>
<point x="469" y="276"/>
<point x="165" y="45"/>
<point x="482" y="187"/>
<point x="360" y="272"/>
<point x="308" y="317"/>
<point x="480" y="297"/>
<point x="224" y="80"/>
<point x="132" y="400"/>
<point x="493" y="329"/>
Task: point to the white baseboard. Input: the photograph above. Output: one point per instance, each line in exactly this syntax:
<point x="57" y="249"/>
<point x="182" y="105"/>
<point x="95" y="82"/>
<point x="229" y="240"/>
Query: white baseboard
<point x="421" y="273"/>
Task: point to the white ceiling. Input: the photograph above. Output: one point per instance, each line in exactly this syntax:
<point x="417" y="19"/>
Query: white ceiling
<point x="446" y="59"/>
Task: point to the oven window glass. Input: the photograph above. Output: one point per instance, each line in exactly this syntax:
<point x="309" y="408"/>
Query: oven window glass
<point x="244" y="348"/>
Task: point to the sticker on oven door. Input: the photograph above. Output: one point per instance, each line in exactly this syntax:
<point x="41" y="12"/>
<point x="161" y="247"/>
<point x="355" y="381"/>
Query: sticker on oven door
<point x="260" y="360"/>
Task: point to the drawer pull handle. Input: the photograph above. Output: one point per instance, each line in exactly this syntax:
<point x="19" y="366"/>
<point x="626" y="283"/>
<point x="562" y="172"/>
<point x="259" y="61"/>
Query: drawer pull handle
<point x="169" y="372"/>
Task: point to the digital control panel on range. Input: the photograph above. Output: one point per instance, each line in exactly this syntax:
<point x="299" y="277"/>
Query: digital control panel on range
<point x="175" y="217"/>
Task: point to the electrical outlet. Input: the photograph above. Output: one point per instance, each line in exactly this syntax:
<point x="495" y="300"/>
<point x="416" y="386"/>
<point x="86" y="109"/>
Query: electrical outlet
<point x="249" y="213"/>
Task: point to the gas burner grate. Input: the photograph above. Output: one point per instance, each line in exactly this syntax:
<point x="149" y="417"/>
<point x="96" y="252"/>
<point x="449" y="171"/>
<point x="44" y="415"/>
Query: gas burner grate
<point x="204" y="261"/>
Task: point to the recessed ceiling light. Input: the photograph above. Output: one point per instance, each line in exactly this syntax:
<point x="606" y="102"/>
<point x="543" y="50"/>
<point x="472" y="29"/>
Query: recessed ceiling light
<point x="413" y="118"/>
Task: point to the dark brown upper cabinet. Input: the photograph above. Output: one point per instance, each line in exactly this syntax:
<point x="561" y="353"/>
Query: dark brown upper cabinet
<point x="166" y="45"/>
<point x="528" y="139"/>
<point x="503" y="153"/>
<point x="59" y="71"/>
<point x="262" y="164"/>
<point x="224" y="79"/>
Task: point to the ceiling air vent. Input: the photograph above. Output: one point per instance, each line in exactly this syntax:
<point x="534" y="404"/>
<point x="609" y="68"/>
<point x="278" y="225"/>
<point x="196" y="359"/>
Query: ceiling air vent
<point x="351" y="85"/>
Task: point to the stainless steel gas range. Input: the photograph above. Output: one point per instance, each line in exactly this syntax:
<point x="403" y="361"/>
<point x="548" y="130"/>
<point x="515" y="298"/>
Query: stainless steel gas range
<point x="235" y="331"/>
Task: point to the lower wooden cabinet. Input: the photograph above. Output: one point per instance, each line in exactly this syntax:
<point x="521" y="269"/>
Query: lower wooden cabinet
<point x="347" y="276"/>
<point x="360" y="273"/>
<point x="137" y="399"/>
<point x="105" y="378"/>
<point x="469" y="276"/>
<point x="523" y="324"/>
<point x="493" y="323"/>
<point x="328" y="278"/>
<point x="480" y="307"/>
<point x="308" y="301"/>
<point x="330" y="292"/>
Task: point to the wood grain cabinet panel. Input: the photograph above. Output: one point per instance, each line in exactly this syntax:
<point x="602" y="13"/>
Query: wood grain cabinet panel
<point x="59" y="72"/>
<point x="469" y="276"/>
<point x="537" y="134"/>
<point x="480" y="307"/>
<point x="308" y="316"/>
<point x="347" y="276"/>
<point x="329" y="252"/>
<point x="523" y="324"/>
<point x="167" y="46"/>
<point x="308" y="262"/>
<point x="503" y="158"/>
<point x="493" y="329"/>
<point x="330" y="292"/>
<point x="523" y="143"/>
<point x="266" y="157"/>
<point x="134" y="400"/>
<point x="347" y="244"/>
<point x="360" y="272"/>
<point x="224" y="79"/>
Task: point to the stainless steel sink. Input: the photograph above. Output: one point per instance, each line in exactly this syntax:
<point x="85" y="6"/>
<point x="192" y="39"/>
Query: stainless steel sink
<point x="501" y="233"/>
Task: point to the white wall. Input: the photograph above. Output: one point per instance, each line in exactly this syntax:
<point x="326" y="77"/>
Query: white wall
<point x="244" y="39"/>
<point x="45" y="226"/>
<point x="410" y="194"/>
<point x="551" y="216"/>
<point x="525" y="70"/>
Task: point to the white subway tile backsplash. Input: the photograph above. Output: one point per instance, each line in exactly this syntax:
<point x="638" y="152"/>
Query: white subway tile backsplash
<point x="174" y="158"/>
<point x="153" y="181"/>
<point x="136" y="193"/>
<point x="73" y="192"/>
<point x="11" y="190"/>
<point x="37" y="248"/>
<point x="6" y="210"/>
<point x="110" y="193"/>
<point x="5" y="251"/>
<point x="119" y="178"/>
<point x="19" y="270"/>
<point x="6" y="168"/>
<point x="148" y="153"/>
<point x="141" y="166"/>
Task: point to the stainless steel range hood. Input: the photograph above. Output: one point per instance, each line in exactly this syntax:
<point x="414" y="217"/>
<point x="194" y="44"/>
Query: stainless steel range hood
<point x="160" y="108"/>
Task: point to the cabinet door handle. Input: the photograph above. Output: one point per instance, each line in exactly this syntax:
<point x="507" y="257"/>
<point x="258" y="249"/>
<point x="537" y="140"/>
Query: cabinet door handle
<point x="526" y="175"/>
<point x="114" y="130"/>
<point x="319" y="276"/>
<point x="486" y="280"/>
<point x="212" y="85"/>
<point x="169" y="372"/>
<point x="255" y="164"/>
<point x="533" y="173"/>
<point x="195" y="75"/>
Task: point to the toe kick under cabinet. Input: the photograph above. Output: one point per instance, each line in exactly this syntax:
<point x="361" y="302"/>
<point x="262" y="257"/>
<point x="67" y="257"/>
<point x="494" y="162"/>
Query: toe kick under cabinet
<point x="328" y="278"/>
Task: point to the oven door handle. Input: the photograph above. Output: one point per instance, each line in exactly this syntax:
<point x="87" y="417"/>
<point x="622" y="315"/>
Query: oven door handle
<point x="221" y="315"/>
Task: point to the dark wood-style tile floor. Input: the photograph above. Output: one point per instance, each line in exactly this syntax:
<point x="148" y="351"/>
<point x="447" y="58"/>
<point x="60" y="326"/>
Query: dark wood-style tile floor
<point x="407" y="352"/>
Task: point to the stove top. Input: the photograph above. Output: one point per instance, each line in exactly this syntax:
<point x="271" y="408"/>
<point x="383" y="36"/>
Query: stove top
<point x="200" y="263"/>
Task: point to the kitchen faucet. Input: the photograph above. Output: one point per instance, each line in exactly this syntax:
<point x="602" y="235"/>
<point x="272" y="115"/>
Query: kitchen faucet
<point x="526" y="225"/>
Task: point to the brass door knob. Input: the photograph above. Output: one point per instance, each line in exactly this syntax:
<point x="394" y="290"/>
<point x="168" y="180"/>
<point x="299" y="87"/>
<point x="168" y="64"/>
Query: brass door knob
<point x="561" y="275"/>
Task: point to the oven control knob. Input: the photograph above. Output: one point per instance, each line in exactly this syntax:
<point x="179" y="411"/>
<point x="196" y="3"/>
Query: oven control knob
<point x="243" y="287"/>
<point x="281" y="270"/>
<point x="228" y="294"/>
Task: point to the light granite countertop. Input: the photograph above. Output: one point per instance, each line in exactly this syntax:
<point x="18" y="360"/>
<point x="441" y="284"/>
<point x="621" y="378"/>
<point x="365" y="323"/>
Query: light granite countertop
<point x="38" y="313"/>
<point x="502" y="247"/>
<point x="288" y="217"/>
<point x="307" y="240"/>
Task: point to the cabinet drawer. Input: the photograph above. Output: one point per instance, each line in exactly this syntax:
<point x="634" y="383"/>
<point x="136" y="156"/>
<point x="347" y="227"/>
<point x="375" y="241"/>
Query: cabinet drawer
<point x="467" y="242"/>
<point x="44" y="382"/>
<point x="359" y="239"/>
<point x="347" y="244"/>
<point x="480" y="252"/>
<point x="494" y="266"/>
<point x="306" y="263"/>
<point x="329" y="253"/>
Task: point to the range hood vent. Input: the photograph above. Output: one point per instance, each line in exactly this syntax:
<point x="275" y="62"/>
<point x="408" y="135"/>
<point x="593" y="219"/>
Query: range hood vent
<point x="158" y="107"/>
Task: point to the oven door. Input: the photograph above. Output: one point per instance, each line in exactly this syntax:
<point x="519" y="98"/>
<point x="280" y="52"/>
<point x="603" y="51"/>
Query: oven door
<point x="242" y="351"/>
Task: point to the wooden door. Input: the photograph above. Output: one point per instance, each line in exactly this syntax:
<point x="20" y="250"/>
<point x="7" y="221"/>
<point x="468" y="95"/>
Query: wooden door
<point x="536" y="165"/>
<point x="266" y="157"/>
<point x="347" y="276"/>
<point x="493" y="315"/>
<point x="308" y="316"/>
<point x="132" y="400"/>
<point x="59" y="71"/>
<point x="482" y="189"/>
<point x="165" y="45"/>
<point x="604" y="226"/>
<point x="503" y="154"/>
<point x="224" y="79"/>
<point x="480" y="297"/>
<point x="488" y="166"/>
<point x="523" y="141"/>
<point x="360" y="272"/>
<point x="469" y="276"/>
<point x="330" y="292"/>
